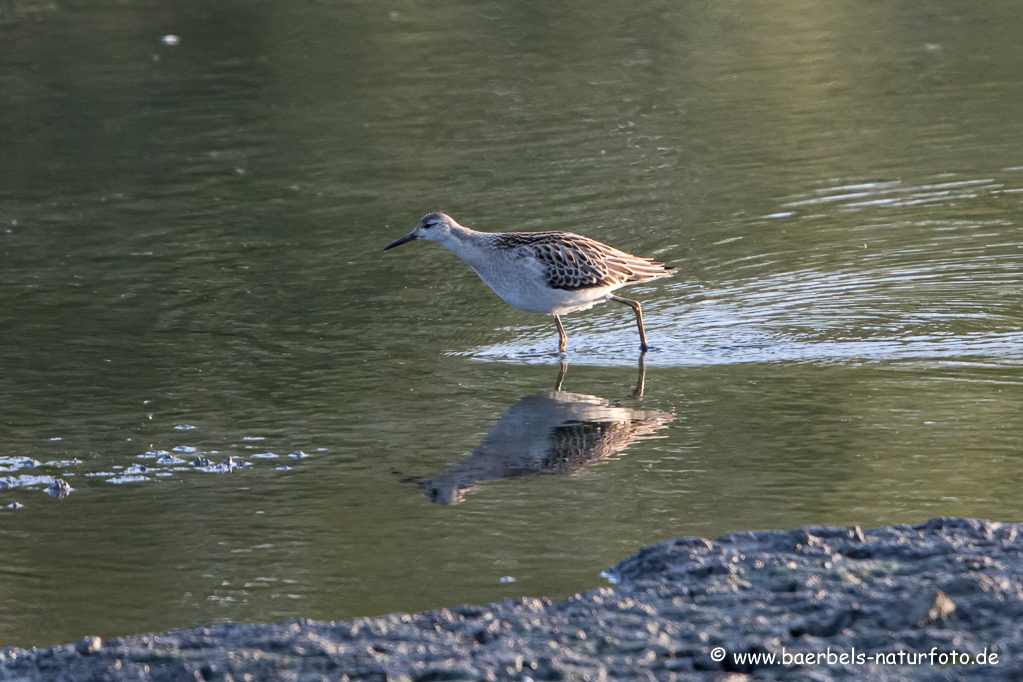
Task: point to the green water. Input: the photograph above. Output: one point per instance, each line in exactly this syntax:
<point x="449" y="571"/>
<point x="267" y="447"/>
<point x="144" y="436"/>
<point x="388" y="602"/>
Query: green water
<point x="191" y="235"/>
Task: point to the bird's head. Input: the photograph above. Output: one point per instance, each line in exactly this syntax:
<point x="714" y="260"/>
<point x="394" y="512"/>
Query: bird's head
<point x="434" y="227"/>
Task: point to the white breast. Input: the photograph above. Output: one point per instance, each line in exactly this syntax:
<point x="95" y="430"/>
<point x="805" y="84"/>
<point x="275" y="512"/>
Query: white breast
<point x="522" y="282"/>
<point x="536" y="297"/>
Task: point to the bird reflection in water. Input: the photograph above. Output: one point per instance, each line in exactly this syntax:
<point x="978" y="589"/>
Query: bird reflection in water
<point x="552" y="432"/>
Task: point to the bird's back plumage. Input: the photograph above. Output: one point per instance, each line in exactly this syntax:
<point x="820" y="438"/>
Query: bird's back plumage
<point x="573" y="262"/>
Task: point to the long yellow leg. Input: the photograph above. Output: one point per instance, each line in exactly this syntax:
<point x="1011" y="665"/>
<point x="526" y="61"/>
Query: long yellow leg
<point x="561" y="375"/>
<point x="562" y="336"/>
<point x="639" y="320"/>
<point x="638" y="393"/>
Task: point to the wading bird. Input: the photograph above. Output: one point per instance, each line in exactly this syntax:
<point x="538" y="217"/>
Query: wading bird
<point x="550" y="273"/>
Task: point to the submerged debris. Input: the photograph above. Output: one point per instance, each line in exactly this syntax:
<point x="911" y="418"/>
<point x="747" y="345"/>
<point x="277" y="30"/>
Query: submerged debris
<point x="63" y="462"/>
<point x="153" y="454"/>
<point x="201" y="461"/>
<point x="167" y="462"/>
<point x="225" y="467"/>
<point x="60" y="489"/>
<point x="17" y="462"/>
<point x="24" y="481"/>
<point x="128" y="479"/>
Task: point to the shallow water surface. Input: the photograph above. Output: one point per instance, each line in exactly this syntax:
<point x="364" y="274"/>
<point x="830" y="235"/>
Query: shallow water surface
<point x="263" y="416"/>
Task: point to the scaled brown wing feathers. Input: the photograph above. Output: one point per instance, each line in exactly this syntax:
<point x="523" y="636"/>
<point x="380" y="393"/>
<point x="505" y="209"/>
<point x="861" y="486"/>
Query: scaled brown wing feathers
<point x="575" y="262"/>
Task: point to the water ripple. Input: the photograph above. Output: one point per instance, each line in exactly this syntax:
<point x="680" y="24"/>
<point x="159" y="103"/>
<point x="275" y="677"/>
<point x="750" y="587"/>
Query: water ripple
<point x="874" y="288"/>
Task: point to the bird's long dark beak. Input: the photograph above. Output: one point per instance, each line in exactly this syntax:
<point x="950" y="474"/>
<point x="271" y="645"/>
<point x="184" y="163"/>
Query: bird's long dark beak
<point x="410" y="237"/>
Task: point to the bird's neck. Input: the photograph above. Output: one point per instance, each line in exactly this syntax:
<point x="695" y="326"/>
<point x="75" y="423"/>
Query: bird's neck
<point x="467" y="244"/>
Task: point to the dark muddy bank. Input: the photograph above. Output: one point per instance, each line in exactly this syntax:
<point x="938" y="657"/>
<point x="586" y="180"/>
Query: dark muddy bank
<point x="897" y="602"/>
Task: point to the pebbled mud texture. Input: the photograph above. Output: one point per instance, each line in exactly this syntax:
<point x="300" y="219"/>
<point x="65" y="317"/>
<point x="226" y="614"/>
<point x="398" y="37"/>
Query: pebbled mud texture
<point x="947" y="585"/>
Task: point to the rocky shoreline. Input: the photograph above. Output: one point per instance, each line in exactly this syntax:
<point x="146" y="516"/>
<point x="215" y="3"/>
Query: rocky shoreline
<point x="938" y="601"/>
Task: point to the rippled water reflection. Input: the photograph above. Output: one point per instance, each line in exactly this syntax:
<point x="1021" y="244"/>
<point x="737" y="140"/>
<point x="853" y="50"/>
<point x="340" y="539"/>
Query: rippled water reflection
<point x="550" y="433"/>
<point x="256" y="409"/>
